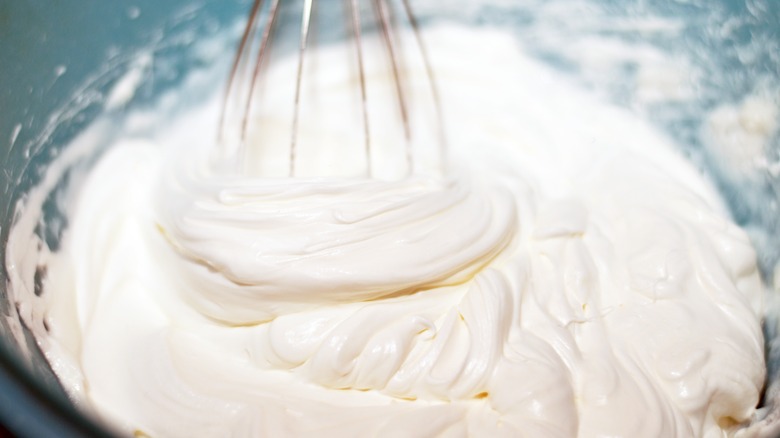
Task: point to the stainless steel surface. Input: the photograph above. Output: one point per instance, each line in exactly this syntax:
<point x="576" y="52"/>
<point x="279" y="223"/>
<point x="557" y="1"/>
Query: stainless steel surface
<point x="57" y="63"/>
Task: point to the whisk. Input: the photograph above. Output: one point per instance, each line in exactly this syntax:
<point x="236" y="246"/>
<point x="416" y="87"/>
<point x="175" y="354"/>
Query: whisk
<point x="242" y="127"/>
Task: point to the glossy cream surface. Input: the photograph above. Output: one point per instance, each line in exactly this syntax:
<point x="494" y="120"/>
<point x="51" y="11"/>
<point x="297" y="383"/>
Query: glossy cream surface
<point x="569" y="273"/>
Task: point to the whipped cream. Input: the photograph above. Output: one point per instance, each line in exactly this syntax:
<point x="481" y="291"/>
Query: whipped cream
<point x="569" y="274"/>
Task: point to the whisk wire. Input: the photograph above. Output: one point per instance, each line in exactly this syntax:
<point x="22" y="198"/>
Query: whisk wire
<point x="305" y="21"/>
<point x="432" y="82"/>
<point x="362" y="75"/>
<point x="246" y="73"/>
<point x="261" y="56"/>
<point x="384" y="21"/>
<point x="243" y="48"/>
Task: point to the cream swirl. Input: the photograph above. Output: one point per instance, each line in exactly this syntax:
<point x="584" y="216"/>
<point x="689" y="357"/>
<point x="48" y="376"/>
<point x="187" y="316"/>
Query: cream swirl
<point x="253" y="249"/>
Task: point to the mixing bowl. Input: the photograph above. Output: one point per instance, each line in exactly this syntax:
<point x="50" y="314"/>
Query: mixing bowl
<point x="691" y="67"/>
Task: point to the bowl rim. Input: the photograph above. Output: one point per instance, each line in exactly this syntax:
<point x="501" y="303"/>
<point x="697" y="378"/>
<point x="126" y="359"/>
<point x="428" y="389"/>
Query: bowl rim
<point x="30" y="408"/>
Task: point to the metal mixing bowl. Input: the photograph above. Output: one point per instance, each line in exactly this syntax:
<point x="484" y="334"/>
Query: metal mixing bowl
<point x="59" y="61"/>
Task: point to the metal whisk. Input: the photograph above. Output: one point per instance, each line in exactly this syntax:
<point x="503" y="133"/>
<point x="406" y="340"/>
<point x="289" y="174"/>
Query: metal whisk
<point x="268" y="18"/>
